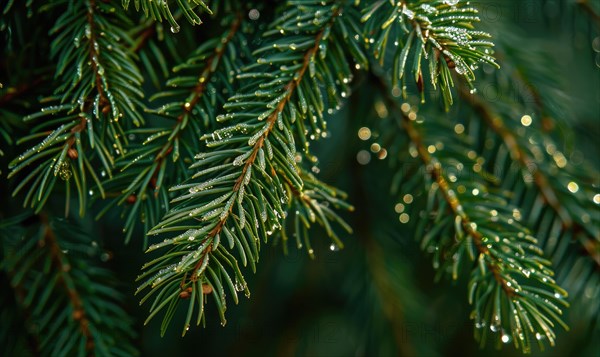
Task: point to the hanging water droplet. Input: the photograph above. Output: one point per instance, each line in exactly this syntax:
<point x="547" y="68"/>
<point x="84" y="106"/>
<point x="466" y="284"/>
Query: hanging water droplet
<point x="333" y="247"/>
<point x="506" y="338"/>
<point x="175" y="29"/>
<point x="495" y="326"/>
<point x="239" y="286"/>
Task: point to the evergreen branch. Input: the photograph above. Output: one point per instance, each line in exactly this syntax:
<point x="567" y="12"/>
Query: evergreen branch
<point x="442" y="33"/>
<point x="67" y="298"/>
<point x="159" y="10"/>
<point x="311" y="205"/>
<point x="147" y="168"/>
<point x="241" y="193"/>
<point x="260" y="141"/>
<point x="64" y="279"/>
<point x="511" y="286"/>
<point x="272" y="119"/>
<point x="590" y="243"/>
<point x="519" y="154"/>
<point x="571" y="216"/>
<point x="95" y="87"/>
<point x="435" y="170"/>
<point x="571" y="182"/>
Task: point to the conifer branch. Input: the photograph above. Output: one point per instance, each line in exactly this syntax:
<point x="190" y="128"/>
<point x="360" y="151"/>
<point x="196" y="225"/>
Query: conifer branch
<point x="62" y="268"/>
<point x="520" y="155"/>
<point x="435" y="169"/>
<point x="242" y="195"/>
<point x="260" y="142"/>
<point x="505" y="250"/>
<point x="159" y="10"/>
<point x="94" y="93"/>
<point x="147" y="167"/>
<point x="68" y="298"/>
<point x="440" y="33"/>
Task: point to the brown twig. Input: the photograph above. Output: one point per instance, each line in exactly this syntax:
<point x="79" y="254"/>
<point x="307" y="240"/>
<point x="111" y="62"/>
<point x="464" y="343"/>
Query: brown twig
<point x="12" y="93"/>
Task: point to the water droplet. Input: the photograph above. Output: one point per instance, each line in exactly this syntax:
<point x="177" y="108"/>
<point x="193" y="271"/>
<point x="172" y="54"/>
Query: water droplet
<point x="495" y="326"/>
<point x="526" y="120"/>
<point x="363" y="157"/>
<point x="253" y="14"/>
<point x="364" y="133"/>
<point x="573" y="187"/>
<point x="175" y="29"/>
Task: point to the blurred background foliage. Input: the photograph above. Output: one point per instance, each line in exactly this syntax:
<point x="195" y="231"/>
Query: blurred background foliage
<point x="377" y="296"/>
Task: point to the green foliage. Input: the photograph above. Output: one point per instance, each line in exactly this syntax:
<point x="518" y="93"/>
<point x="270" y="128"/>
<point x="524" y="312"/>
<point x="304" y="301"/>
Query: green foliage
<point x="511" y="286"/>
<point x="439" y="33"/>
<point x="159" y="10"/>
<point x="555" y="193"/>
<point x="160" y="161"/>
<point x="70" y="301"/>
<point x="99" y="85"/>
<point x="204" y="142"/>
<point x="244" y="187"/>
